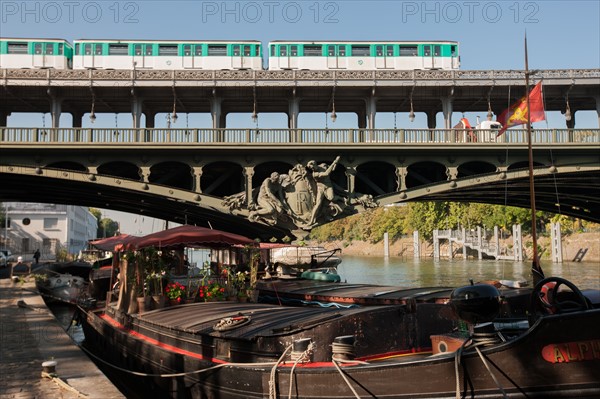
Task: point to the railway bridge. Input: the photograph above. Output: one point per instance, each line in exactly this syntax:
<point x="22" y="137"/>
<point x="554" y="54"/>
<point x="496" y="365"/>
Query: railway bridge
<point x="275" y="182"/>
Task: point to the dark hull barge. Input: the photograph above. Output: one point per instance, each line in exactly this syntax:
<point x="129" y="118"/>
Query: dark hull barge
<point x="410" y="350"/>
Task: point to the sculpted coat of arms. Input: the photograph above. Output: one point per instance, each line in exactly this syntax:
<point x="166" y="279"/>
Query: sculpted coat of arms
<point x="301" y="199"/>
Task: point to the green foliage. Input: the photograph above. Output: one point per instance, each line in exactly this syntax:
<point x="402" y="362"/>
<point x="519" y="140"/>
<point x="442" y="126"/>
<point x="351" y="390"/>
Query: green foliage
<point x="425" y="217"/>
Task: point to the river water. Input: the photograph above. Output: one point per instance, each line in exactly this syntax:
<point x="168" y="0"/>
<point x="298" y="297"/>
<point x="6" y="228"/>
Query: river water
<point x="451" y="273"/>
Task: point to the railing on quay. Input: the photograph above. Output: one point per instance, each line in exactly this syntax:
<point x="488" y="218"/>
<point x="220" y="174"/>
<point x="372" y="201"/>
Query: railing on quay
<point x="95" y="136"/>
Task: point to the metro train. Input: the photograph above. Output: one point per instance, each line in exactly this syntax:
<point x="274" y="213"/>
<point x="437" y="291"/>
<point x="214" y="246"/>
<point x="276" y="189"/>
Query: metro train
<point x="227" y="55"/>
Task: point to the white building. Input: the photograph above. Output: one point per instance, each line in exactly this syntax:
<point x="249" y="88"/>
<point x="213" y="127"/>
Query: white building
<point x="48" y="227"/>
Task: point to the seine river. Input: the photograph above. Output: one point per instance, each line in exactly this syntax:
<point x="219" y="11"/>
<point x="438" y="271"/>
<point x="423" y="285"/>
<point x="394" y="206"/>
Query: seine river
<point x="451" y="273"/>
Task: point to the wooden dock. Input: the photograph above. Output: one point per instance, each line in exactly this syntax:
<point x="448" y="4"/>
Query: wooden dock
<point x="30" y="336"/>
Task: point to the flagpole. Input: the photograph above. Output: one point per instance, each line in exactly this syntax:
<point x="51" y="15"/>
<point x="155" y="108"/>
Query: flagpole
<point x="536" y="268"/>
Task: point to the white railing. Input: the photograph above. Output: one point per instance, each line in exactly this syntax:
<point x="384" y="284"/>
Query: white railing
<point x="295" y="136"/>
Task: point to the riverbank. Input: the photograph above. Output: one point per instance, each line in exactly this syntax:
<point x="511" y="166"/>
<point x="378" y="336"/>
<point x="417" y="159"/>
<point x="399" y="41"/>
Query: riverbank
<point x="571" y="245"/>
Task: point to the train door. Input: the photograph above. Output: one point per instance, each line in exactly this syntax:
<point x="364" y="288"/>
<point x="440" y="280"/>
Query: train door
<point x="284" y="56"/>
<point x="437" y="59"/>
<point x="336" y="56"/>
<point x="455" y="58"/>
<point x="237" y="61"/>
<point x="88" y="55"/>
<point x="427" y="57"/>
<point x="384" y="56"/>
<point x="142" y="55"/>
<point x="38" y="55"/>
<point x="188" y="56"/>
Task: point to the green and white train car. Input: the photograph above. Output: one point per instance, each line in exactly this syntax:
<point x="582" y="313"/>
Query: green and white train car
<point x="363" y="55"/>
<point x="167" y="54"/>
<point x="35" y="53"/>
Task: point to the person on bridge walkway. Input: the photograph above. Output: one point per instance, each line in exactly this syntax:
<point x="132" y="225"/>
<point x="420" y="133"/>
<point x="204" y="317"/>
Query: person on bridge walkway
<point x="36" y="256"/>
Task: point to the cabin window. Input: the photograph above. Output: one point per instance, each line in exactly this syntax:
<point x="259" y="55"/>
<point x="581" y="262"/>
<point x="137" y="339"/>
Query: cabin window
<point x="408" y="51"/>
<point x="437" y="51"/>
<point x="236" y="50"/>
<point x="167" y="49"/>
<point x="453" y="51"/>
<point x="98" y="49"/>
<point x="198" y="50"/>
<point x="217" y="50"/>
<point x="117" y="49"/>
<point x="38" y="48"/>
<point x="313" y="51"/>
<point x="17" y="48"/>
<point x="360" y="51"/>
<point x="50" y="48"/>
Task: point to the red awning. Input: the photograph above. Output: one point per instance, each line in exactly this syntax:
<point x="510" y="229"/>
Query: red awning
<point x="188" y="236"/>
<point x="110" y="243"/>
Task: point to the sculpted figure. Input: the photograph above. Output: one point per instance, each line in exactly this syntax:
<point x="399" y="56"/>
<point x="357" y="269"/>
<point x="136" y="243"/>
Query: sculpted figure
<point x="270" y="201"/>
<point x="324" y="186"/>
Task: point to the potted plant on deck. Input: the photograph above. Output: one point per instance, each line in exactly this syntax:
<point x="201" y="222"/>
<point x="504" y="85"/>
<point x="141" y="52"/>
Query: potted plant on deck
<point x="175" y="292"/>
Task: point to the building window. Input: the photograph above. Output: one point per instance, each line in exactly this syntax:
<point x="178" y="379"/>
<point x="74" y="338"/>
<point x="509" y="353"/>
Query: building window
<point x="50" y="223"/>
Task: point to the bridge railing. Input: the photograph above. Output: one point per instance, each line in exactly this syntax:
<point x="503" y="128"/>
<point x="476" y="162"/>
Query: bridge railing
<point x="279" y="136"/>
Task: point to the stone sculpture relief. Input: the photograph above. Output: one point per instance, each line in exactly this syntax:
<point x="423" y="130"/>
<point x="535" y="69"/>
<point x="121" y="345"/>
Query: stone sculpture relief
<point x="301" y="199"/>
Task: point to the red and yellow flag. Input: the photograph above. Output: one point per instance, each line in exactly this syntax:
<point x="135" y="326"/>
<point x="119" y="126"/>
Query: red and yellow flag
<point x="516" y="114"/>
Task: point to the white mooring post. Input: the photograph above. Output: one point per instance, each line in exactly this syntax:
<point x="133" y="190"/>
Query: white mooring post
<point x="464" y="242"/>
<point x="517" y="243"/>
<point x="556" y="243"/>
<point x="416" y="245"/>
<point x="436" y="245"/>
<point x="496" y="242"/>
<point x="386" y="244"/>
<point x="479" y="243"/>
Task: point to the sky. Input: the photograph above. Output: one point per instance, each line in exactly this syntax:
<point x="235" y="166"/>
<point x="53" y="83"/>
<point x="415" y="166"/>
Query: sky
<point x="560" y="34"/>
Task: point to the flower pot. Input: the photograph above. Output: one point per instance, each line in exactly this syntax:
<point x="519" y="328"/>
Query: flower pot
<point x="141" y="303"/>
<point x="242" y="299"/>
<point x="175" y="302"/>
<point x="159" y="301"/>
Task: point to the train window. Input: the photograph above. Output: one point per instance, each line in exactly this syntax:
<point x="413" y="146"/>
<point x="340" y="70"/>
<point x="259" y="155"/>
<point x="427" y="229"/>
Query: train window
<point x="98" y="49"/>
<point x="389" y="50"/>
<point x="137" y="49"/>
<point x="198" y="50"/>
<point x="236" y="50"/>
<point x="38" y="48"/>
<point x="167" y="49"/>
<point x="313" y="51"/>
<point x="187" y="50"/>
<point x="294" y="50"/>
<point x="273" y="50"/>
<point x="453" y="51"/>
<point x="60" y="48"/>
<point x="49" y="48"/>
<point x="148" y="49"/>
<point x="282" y="51"/>
<point x="17" y="48"/>
<point x="379" y="51"/>
<point x="118" y="49"/>
<point x="437" y="50"/>
<point x="342" y="51"/>
<point x="247" y="51"/>
<point x="427" y="51"/>
<point x="408" y="51"/>
<point x="217" y="50"/>
<point x="331" y="50"/>
<point x="360" y="51"/>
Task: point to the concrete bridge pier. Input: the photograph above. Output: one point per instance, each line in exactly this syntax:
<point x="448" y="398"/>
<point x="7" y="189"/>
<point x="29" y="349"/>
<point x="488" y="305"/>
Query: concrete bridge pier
<point x="293" y="112"/>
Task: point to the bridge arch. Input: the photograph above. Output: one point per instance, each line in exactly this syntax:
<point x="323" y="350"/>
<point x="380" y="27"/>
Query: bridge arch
<point x="475" y="168"/>
<point x="67" y="165"/>
<point x="423" y="173"/>
<point x="122" y="169"/>
<point x="376" y="178"/>
<point x="173" y="174"/>
<point x="222" y="179"/>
